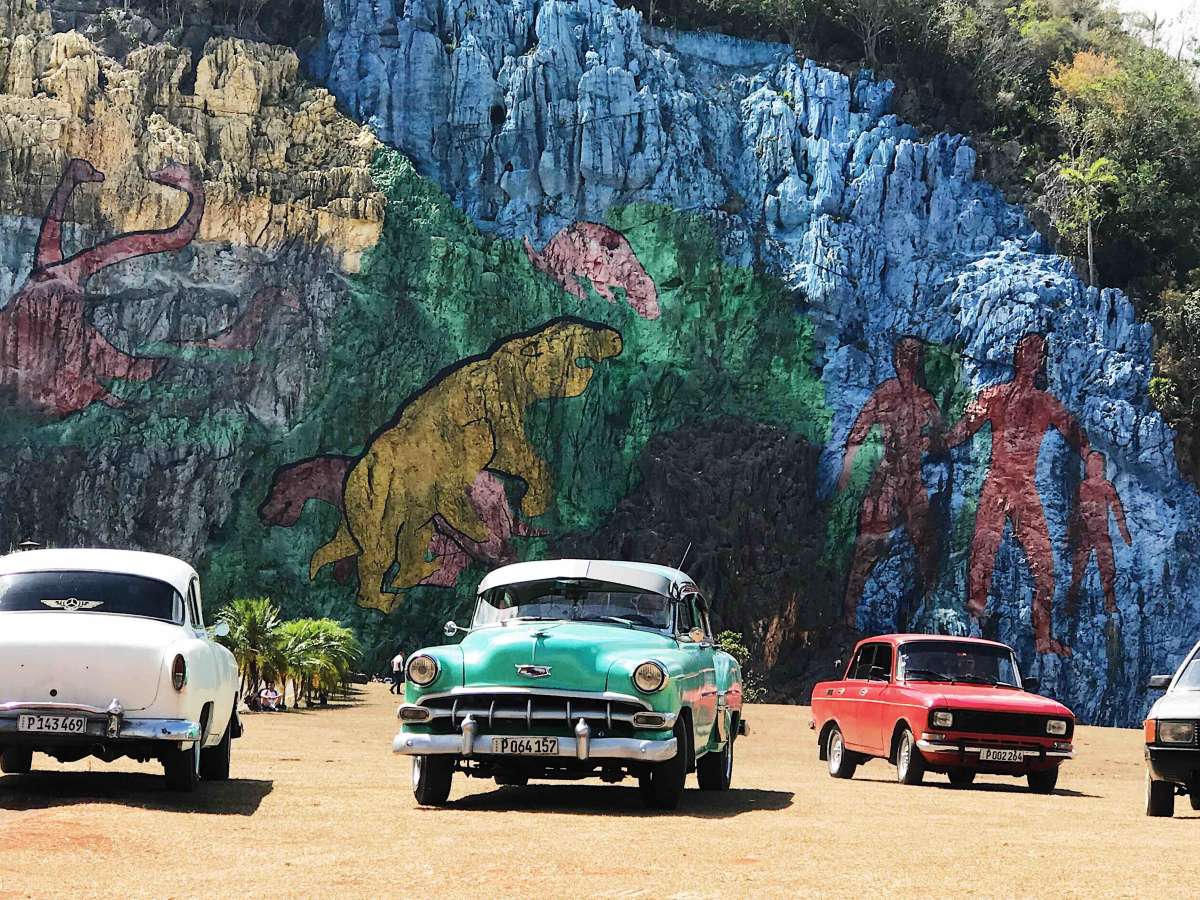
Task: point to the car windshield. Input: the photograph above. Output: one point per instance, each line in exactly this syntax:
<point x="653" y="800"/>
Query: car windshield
<point x="93" y="592"/>
<point x="961" y="662"/>
<point x="579" y="600"/>
<point x="1189" y="678"/>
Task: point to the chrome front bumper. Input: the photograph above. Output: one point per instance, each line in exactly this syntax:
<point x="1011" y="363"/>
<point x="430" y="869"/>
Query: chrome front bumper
<point x="103" y="724"/>
<point x="1027" y="752"/>
<point x="582" y="746"/>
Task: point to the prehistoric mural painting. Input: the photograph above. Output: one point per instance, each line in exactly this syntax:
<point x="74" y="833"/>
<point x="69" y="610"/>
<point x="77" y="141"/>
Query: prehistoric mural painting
<point x="52" y="358"/>
<point x="604" y="257"/>
<point x="1019" y="414"/>
<point x="415" y="496"/>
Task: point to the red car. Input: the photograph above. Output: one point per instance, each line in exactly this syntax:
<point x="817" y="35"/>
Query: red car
<point x="940" y="704"/>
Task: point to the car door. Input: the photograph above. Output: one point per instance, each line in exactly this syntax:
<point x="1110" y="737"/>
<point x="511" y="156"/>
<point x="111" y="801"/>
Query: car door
<point x="204" y="671"/>
<point x="851" y="705"/>
<point x="875" y="699"/>
<point x="701" y="668"/>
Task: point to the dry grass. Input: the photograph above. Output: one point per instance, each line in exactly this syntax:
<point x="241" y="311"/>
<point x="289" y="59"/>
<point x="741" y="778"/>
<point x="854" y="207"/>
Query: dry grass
<point x="320" y="807"/>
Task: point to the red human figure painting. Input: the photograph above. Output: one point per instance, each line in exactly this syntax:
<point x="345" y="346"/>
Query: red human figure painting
<point x="1089" y="531"/>
<point x="910" y="425"/>
<point x="51" y="356"/>
<point x="1020" y="413"/>
<point x="604" y="257"/>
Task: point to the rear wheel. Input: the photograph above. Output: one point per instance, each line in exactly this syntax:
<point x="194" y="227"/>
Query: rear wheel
<point x="1043" y="782"/>
<point x="182" y="768"/>
<point x="662" y="786"/>
<point x="714" y="771"/>
<point x="512" y="780"/>
<point x="1194" y="794"/>
<point x="910" y="764"/>
<point x="1160" y="798"/>
<point x="431" y="776"/>
<point x="842" y="762"/>
<point x="214" y="762"/>
<point x="16" y="761"/>
<point x="962" y="777"/>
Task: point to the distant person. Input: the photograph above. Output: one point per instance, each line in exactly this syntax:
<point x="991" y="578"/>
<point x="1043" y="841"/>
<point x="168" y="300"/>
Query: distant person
<point x="397" y="674"/>
<point x="268" y="698"/>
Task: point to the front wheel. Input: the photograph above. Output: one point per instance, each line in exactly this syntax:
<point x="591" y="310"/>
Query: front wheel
<point x="16" y="761"/>
<point x="431" y="777"/>
<point x="910" y="764"/>
<point x="182" y="768"/>
<point x="662" y="786"/>
<point x="1160" y="798"/>
<point x="714" y="771"/>
<point x="1043" y="782"/>
<point x="842" y="762"/>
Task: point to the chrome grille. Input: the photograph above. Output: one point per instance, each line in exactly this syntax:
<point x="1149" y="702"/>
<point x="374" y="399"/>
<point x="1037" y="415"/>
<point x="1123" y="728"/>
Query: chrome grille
<point x="529" y="707"/>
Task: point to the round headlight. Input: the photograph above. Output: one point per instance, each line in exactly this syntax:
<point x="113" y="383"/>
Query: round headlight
<point x="649" y="677"/>
<point x="422" y="670"/>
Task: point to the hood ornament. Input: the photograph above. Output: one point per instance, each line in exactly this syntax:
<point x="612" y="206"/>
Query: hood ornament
<point x="70" y="604"/>
<point x="529" y="670"/>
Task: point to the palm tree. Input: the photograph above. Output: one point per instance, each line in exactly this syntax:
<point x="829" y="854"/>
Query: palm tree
<point x="319" y="655"/>
<point x="253" y="625"/>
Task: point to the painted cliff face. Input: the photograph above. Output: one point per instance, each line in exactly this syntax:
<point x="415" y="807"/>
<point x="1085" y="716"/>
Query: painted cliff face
<point x="749" y="312"/>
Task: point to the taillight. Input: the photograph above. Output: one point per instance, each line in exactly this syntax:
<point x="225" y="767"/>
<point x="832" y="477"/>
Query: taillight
<point x="179" y="673"/>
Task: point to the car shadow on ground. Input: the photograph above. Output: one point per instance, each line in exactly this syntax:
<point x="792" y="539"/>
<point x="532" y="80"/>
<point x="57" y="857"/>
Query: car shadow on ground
<point x="590" y="799"/>
<point x="46" y="790"/>
<point x="987" y="787"/>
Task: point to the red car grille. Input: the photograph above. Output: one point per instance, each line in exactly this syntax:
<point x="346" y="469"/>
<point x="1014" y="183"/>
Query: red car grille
<point x="983" y="722"/>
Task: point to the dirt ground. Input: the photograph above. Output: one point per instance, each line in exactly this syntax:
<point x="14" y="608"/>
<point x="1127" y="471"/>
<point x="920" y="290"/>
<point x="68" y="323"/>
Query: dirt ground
<point x="319" y="806"/>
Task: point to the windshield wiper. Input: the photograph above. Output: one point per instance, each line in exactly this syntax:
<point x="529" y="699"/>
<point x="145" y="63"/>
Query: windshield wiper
<point x="975" y="679"/>
<point x="920" y="674"/>
<point x="617" y="619"/>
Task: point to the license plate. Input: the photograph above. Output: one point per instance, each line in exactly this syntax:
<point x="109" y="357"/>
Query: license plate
<point x="990" y="754"/>
<point x="526" y="746"/>
<point x="52" y="724"/>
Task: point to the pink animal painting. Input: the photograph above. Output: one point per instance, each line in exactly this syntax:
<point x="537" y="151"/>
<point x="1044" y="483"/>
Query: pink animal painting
<point x="321" y="478"/>
<point x="52" y="357"/>
<point x="602" y="256"/>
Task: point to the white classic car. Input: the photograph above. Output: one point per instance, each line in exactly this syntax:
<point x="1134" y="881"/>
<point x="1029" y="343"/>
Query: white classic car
<point x="1173" y="739"/>
<point x="104" y="653"/>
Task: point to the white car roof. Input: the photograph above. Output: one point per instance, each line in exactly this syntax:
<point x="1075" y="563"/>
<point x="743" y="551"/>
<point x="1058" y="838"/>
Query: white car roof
<point x="174" y="572"/>
<point x="643" y="576"/>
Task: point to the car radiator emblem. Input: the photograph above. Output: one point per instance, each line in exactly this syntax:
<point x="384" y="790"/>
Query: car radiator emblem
<point x="71" y="603"/>
<point x="532" y="671"/>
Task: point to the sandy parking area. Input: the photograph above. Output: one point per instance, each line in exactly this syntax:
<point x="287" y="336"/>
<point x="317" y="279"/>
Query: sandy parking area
<point x="320" y="807"/>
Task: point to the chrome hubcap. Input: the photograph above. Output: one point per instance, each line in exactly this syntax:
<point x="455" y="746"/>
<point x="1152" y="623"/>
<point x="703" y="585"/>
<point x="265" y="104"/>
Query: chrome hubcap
<point x="835" y="752"/>
<point x="416" y="773"/>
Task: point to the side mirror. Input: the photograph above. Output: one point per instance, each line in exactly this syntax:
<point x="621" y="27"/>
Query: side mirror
<point x="220" y="630"/>
<point x="697" y="635"/>
<point x="452" y="628"/>
<point x="1158" y="682"/>
<point x="1032" y="685"/>
<point x="837" y="666"/>
<point x="879" y="673"/>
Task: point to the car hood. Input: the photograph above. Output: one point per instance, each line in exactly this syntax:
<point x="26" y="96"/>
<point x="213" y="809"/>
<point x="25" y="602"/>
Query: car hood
<point x="578" y="654"/>
<point x="84" y="658"/>
<point x="1176" y="705"/>
<point x="974" y="696"/>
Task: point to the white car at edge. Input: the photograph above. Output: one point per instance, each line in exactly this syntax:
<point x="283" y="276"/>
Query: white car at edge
<point x="104" y="653"/>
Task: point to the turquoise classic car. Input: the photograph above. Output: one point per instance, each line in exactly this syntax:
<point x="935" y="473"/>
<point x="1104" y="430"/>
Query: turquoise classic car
<point x="576" y="669"/>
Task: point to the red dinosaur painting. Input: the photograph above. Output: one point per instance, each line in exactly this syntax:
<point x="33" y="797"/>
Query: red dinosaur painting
<point x="602" y="256"/>
<point x="321" y="478"/>
<point x="1020" y="413"/>
<point x="910" y="426"/>
<point x="51" y="356"/>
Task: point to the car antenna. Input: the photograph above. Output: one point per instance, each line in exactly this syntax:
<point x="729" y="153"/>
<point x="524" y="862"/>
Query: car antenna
<point x="684" y="559"/>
